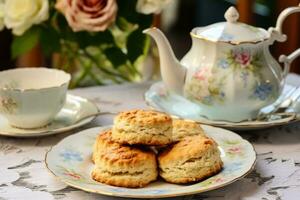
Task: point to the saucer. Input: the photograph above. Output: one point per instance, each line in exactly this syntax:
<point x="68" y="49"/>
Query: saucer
<point x="70" y="161"/>
<point x="159" y="98"/>
<point x="67" y="119"/>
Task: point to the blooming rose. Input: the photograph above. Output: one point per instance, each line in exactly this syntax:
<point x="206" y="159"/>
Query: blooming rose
<point x="88" y="15"/>
<point x="243" y="58"/>
<point x="20" y="15"/>
<point x="151" y="6"/>
<point x="1" y="14"/>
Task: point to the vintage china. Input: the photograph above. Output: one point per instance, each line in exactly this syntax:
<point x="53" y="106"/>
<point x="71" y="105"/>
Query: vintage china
<point x="70" y="161"/>
<point x="228" y="63"/>
<point x="160" y="98"/>
<point x="32" y="97"/>
<point x="67" y="119"/>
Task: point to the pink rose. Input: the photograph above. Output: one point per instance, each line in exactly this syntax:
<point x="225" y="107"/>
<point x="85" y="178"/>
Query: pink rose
<point x="88" y="15"/>
<point x="243" y="58"/>
<point x="202" y="74"/>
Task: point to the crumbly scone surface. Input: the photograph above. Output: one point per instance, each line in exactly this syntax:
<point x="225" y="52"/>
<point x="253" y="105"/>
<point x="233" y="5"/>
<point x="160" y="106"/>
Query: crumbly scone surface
<point x="123" y="157"/>
<point x="184" y="128"/>
<point x="122" y="165"/>
<point x="192" y="159"/>
<point x="143" y="117"/>
<point x="142" y="127"/>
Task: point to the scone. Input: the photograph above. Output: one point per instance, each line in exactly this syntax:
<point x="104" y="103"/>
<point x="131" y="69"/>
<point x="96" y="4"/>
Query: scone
<point x="101" y="144"/>
<point x="142" y="127"/>
<point x="184" y="128"/>
<point x="192" y="159"/>
<point x="121" y="165"/>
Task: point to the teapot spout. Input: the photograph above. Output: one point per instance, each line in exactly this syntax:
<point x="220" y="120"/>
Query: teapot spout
<point x="172" y="72"/>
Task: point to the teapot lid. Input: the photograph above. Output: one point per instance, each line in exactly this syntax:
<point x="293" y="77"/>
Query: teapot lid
<point x="231" y="31"/>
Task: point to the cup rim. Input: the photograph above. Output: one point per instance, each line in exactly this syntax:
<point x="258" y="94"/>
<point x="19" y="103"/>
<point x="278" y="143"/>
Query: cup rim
<point x="65" y="82"/>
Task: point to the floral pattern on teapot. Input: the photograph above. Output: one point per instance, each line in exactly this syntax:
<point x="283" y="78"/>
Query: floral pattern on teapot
<point x="228" y="68"/>
<point x="206" y="86"/>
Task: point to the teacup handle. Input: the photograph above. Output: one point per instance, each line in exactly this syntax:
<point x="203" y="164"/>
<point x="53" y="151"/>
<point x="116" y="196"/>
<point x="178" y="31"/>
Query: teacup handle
<point x="277" y="35"/>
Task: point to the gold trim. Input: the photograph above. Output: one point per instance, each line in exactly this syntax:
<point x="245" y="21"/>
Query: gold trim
<point x="74" y="126"/>
<point x="116" y="194"/>
<point x="228" y="42"/>
<point x="215" y="41"/>
<point x="65" y="83"/>
<point x="232" y="125"/>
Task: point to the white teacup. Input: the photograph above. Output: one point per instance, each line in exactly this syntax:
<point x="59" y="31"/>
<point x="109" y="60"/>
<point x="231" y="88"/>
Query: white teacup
<point x="32" y="97"/>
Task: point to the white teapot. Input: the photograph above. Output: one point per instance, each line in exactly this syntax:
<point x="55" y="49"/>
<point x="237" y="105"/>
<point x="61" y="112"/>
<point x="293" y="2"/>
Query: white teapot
<point x="229" y="71"/>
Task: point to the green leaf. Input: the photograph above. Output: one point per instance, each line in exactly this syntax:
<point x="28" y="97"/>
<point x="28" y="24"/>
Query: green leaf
<point x="116" y="56"/>
<point x="50" y="41"/>
<point x="123" y="24"/>
<point x="105" y="37"/>
<point x="127" y="10"/>
<point x="24" y="43"/>
<point x="85" y="39"/>
<point x="136" y="45"/>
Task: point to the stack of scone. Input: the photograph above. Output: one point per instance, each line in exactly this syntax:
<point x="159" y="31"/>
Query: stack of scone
<point x="126" y="155"/>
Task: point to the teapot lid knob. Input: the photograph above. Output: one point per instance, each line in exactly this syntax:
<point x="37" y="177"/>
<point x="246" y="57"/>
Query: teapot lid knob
<point x="232" y="15"/>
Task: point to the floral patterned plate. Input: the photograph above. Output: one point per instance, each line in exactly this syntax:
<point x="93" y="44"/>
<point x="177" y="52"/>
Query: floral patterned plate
<point x="67" y="119"/>
<point x="70" y="161"/>
<point x="159" y="98"/>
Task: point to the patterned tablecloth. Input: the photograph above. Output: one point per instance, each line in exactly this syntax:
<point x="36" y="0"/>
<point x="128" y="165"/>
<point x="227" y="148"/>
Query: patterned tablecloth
<point x="23" y="174"/>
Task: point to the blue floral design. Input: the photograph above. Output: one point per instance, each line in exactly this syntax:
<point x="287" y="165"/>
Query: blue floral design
<point x="222" y="94"/>
<point x="263" y="91"/>
<point x="223" y="63"/>
<point x="236" y="166"/>
<point x="157" y="191"/>
<point x="70" y="155"/>
<point x="207" y="100"/>
<point x="244" y="77"/>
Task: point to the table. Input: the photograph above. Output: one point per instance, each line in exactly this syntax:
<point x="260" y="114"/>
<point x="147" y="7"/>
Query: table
<point x="23" y="174"/>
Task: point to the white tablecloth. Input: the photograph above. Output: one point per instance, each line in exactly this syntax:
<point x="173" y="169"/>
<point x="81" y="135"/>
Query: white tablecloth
<point x="23" y="174"/>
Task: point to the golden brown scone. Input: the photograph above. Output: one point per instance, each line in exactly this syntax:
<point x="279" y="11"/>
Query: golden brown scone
<point x="192" y="159"/>
<point x="184" y="128"/>
<point x="101" y="143"/>
<point x="142" y="127"/>
<point x="122" y="165"/>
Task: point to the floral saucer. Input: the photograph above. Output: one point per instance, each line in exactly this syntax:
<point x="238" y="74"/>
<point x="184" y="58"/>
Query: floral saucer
<point x="159" y="98"/>
<point x="70" y="161"/>
<point x="67" y="119"/>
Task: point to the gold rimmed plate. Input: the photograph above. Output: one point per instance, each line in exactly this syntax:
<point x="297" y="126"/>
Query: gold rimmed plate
<point x="70" y="161"/>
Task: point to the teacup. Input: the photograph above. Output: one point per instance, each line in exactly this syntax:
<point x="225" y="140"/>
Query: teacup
<point x="32" y="97"/>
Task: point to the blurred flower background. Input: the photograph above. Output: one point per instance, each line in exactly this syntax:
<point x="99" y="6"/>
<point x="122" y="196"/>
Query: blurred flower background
<point x="97" y="41"/>
<point x="101" y="41"/>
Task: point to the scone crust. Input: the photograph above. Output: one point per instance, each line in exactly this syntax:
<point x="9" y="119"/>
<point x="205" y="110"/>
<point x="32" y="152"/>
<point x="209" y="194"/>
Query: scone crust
<point x="118" y="154"/>
<point x="192" y="159"/>
<point x="142" y="127"/>
<point x="122" y="165"/>
<point x="189" y="147"/>
<point x="197" y="177"/>
<point x="128" y="182"/>
<point x="102" y="140"/>
<point x="143" y="117"/>
<point x="184" y="128"/>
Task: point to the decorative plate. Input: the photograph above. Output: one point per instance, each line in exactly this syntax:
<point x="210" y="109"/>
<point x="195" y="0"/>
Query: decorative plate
<point x="159" y="98"/>
<point x="67" y="119"/>
<point x="70" y="161"/>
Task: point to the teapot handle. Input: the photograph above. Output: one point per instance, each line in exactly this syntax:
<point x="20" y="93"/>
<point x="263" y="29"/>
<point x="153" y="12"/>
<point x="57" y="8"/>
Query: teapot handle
<point x="287" y="60"/>
<point x="276" y="34"/>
